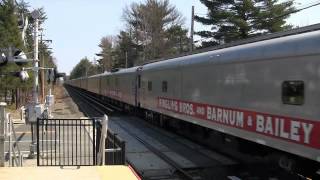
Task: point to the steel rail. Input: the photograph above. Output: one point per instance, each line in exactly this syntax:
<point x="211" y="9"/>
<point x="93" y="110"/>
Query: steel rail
<point x="233" y="159"/>
<point x="168" y="160"/>
<point x="158" y="153"/>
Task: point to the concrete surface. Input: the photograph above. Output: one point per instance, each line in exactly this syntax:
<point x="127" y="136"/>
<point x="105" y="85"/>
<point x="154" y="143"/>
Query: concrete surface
<point x="143" y="159"/>
<point x="68" y="173"/>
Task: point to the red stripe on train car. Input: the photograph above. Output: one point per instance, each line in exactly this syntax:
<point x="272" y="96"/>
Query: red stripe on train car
<point x="300" y="131"/>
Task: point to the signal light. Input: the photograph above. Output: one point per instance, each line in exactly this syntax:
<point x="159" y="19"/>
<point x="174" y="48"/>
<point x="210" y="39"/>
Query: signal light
<point x="19" y="55"/>
<point x="50" y="76"/>
<point x="13" y="55"/>
<point x="24" y="76"/>
<point x="3" y="59"/>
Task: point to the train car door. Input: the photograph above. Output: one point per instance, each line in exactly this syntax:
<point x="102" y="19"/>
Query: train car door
<point x="99" y="86"/>
<point x="138" y="87"/>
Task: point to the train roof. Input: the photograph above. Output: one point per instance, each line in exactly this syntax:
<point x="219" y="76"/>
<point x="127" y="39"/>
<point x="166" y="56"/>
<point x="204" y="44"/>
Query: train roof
<point x="75" y="79"/>
<point x="127" y="70"/>
<point x="284" y="47"/>
<point x="93" y="76"/>
<point x="292" y="43"/>
<point x="120" y="71"/>
<point x="263" y="37"/>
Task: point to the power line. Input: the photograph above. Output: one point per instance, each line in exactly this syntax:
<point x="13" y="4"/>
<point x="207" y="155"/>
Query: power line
<point x="316" y="3"/>
<point x="307" y="6"/>
<point x="201" y="14"/>
<point x="311" y="3"/>
<point x="298" y="10"/>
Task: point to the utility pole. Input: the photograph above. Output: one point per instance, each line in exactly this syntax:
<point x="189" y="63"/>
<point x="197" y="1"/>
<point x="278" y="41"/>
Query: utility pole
<point x="192" y="30"/>
<point x="36" y="62"/>
<point x="36" y="109"/>
<point x="35" y="68"/>
<point x="42" y="72"/>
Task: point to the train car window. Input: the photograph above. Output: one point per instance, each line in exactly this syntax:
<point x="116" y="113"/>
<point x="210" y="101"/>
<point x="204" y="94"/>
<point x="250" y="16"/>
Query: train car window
<point x="149" y="85"/>
<point x="293" y="92"/>
<point x="164" y="86"/>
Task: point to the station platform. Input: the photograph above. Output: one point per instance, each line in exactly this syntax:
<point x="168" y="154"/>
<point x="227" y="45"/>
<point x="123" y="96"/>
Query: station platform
<point x="68" y="173"/>
<point x="64" y="108"/>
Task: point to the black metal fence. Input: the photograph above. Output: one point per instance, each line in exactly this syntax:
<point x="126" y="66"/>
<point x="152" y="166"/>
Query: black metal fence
<point x="66" y="142"/>
<point x="75" y="142"/>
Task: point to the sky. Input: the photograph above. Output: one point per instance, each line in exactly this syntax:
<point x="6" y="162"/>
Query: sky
<point x="76" y="26"/>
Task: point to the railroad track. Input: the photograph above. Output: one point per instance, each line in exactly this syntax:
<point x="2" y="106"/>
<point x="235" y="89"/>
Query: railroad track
<point x="168" y="160"/>
<point x="101" y="108"/>
<point x="94" y="107"/>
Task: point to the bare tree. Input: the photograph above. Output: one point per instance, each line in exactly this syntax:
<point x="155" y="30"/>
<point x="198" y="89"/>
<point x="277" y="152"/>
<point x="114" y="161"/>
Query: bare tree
<point x="149" y="22"/>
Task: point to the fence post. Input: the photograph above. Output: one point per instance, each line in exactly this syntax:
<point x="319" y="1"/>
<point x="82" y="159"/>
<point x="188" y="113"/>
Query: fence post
<point x="2" y="133"/>
<point x="114" y="155"/>
<point x="98" y="137"/>
<point x="10" y="143"/>
<point x="94" y="143"/>
<point x="104" y="132"/>
<point x="123" y="152"/>
<point x="38" y="145"/>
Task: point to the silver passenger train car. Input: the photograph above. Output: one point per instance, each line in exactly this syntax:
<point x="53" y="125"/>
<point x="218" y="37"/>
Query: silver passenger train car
<point x="266" y="92"/>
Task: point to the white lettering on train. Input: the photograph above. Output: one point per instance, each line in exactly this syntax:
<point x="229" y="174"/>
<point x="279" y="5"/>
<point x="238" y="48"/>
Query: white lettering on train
<point x="201" y="111"/>
<point x="171" y="105"/>
<point x="307" y="128"/>
<point x="186" y="108"/>
<point x="279" y="127"/>
<point x="295" y="130"/>
<point x="225" y="116"/>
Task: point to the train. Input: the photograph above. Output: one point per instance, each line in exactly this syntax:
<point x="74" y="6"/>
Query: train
<point x="264" y="92"/>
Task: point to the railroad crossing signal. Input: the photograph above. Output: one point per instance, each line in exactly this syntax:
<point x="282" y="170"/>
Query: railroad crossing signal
<point x="13" y="55"/>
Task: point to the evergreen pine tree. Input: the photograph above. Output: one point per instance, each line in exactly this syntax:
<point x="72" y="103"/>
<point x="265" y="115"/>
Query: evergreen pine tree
<point x="272" y="16"/>
<point x="9" y="30"/>
<point x="82" y="69"/>
<point x="126" y="50"/>
<point x="149" y="22"/>
<point x="10" y="36"/>
<point x="232" y="20"/>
